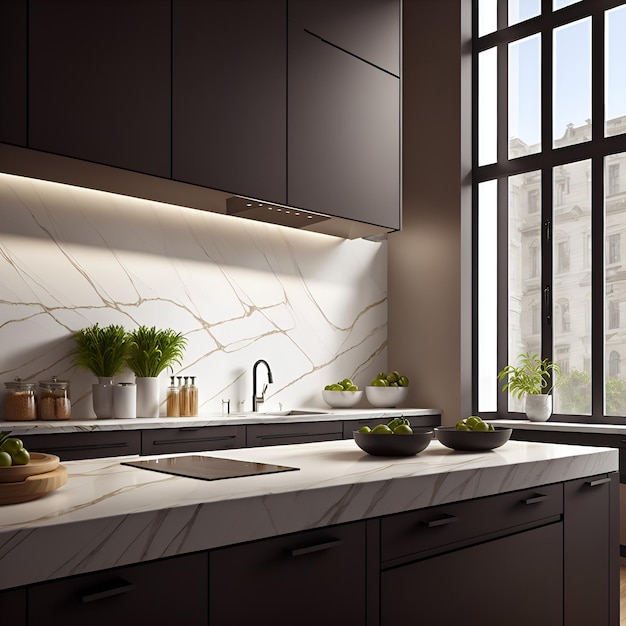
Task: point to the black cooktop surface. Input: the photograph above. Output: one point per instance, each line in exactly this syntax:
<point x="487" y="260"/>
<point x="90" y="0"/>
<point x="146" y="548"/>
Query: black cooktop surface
<point x="208" y="467"/>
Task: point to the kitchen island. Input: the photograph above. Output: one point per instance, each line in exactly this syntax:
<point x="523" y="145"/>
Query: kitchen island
<point x="519" y="507"/>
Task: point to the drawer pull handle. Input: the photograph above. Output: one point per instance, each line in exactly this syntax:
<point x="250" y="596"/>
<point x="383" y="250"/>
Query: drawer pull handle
<point x="168" y="442"/>
<point x="535" y="499"/>
<point x="442" y="521"/>
<point x="318" y="547"/>
<point x="598" y="481"/>
<point x="114" y="588"/>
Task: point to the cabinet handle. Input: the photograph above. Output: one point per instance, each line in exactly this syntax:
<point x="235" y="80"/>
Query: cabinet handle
<point x="114" y="587"/>
<point x="534" y="499"/>
<point x="168" y="442"/>
<point x="442" y="521"/>
<point x="318" y="547"/>
<point x="598" y="481"/>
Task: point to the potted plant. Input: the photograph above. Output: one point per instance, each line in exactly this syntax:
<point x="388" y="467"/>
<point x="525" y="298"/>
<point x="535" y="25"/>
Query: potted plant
<point x="101" y="350"/>
<point x="150" y="352"/>
<point x="531" y="378"/>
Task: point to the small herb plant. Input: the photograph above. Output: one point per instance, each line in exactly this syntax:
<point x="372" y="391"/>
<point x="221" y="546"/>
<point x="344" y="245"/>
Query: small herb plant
<point x="101" y="350"/>
<point x="530" y="376"/>
<point x="150" y="350"/>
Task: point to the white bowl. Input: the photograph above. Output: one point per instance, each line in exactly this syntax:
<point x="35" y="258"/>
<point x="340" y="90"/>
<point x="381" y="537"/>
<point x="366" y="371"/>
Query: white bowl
<point x="386" y="397"/>
<point x="341" y="399"/>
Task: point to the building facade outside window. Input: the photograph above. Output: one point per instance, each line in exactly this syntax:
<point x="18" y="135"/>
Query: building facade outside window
<point x="549" y="149"/>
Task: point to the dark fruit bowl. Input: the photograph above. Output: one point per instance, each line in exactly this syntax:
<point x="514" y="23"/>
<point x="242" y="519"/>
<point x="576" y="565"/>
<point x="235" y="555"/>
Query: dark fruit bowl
<point x="394" y="445"/>
<point x="472" y="440"/>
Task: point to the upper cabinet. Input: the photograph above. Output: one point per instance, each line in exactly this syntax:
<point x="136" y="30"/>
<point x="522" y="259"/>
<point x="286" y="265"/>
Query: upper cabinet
<point x="229" y="96"/>
<point x="13" y="55"/>
<point x="288" y="102"/>
<point x="100" y="81"/>
<point x="368" y="29"/>
<point x="344" y="111"/>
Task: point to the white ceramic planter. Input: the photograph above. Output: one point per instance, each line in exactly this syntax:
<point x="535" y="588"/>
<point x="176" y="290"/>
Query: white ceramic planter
<point x="147" y="396"/>
<point x="125" y="401"/>
<point x="102" y="396"/>
<point x="538" y="407"/>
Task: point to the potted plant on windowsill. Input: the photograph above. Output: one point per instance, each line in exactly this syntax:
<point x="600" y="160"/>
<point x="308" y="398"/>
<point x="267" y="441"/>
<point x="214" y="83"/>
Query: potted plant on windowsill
<point x="150" y="352"/>
<point x="102" y="351"/>
<point x="531" y="378"/>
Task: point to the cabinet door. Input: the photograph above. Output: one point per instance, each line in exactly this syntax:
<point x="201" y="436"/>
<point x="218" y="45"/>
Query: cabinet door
<point x="282" y="434"/>
<point x="13" y="603"/>
<point x="314" y="577"/>
<point x="190" y="439"/>
<point x="368" y="29"/>
<point x="100" y="81"/>
<point x="13" y="54"/>
<point x="75" y="446"/>
<point x="229" y="99"/>
<point x="171" y="591"/>
<point x="343" y="134"/>
<point x="516" y="580"/>
<point x="591" y="553"/>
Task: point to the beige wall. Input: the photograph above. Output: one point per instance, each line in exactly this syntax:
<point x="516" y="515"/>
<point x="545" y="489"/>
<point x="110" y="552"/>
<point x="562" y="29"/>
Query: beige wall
<point x="429" y="286"/>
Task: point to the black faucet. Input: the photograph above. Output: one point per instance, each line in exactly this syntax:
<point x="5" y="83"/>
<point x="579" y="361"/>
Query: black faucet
<point x="256" y="400"/>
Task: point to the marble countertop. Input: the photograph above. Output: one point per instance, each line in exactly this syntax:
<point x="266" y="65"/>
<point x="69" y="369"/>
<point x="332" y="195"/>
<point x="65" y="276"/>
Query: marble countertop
<point x="275" y="417"/>
<point x="570" y="427"/>
<point x="109" y="514"/>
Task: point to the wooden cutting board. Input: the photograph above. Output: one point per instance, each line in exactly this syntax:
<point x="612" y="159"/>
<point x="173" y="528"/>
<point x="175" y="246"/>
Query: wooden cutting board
<point x="39" y="463"/>
<point x="33" y="486"/>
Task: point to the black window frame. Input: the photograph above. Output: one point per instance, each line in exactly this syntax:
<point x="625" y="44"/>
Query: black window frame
<point x="546" y="161"/>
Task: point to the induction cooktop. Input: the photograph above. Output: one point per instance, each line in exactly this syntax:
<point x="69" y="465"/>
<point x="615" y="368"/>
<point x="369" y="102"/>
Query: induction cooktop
<point x="208" y="467"/>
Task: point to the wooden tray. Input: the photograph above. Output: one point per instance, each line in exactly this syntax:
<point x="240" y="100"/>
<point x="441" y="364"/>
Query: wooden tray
<point x="33" y="487"/>
<point x="39" y="463"/>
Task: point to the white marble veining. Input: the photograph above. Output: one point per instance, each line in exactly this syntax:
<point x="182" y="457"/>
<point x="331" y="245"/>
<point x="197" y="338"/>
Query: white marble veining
<point x="314" y="306"/>
<point x="144" y="423"/>
<point x="109" y="514"/>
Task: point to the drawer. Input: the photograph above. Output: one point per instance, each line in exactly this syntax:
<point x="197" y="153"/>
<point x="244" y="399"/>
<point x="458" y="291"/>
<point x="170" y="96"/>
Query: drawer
<point x="170" y="591"/>
<point x="281" y="434"/>
<point x="75" y="446"/>
<point x="192" y="439"/>
<point x="410" y="533"/>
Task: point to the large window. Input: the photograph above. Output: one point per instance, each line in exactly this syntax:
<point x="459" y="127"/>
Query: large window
<point x="549" y="161"/>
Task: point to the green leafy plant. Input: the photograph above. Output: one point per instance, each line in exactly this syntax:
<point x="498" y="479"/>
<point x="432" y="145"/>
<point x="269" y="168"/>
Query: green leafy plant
<point x="101" y="350"/>
<point x="151" y="350"/>
<point x="530" y="376"/>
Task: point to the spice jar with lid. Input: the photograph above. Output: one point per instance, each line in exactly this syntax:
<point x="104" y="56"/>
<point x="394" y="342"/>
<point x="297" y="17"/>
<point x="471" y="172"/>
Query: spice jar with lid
<point x="54" y="399"/>
<point x="19" y="401"/>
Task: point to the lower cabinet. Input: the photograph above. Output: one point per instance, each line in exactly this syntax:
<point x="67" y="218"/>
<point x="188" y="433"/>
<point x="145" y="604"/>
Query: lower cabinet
<point x="192" y="439"/>
<point x="545" y="556"/>
<point x="516" y="580"/>
<point x="308" y="578"/>
<point x="13" y="603"/>
<point x="86" y="445"/>
<point x="282" y="434"/>
<point x="169" y="591"/>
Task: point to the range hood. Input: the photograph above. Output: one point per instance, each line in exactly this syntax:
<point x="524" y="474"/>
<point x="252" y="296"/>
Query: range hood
<point x="44" y="166"/>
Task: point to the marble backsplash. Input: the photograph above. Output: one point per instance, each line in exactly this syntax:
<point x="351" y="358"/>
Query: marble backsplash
<point x="313" y="306"/>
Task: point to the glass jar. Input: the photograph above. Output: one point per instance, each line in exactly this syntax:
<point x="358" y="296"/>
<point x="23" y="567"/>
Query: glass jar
<point x="54" y="399"/>
<point x="19" y="401"/>
<point x="173" y="408"/>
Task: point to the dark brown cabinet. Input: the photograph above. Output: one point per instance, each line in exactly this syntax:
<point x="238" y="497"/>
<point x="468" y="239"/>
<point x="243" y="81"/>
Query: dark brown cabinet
<point x="169" y="591"/>
<point x="367" y="29"/>
<point x="282" y="434"/>
<point x="76" y="446"/>
<point x="515" y="580"/>
<point x="313" y="577"/>
<point x="13" y="603"/>
<point x="229" y="96"/>
<point x="13" y="71"/>
<point x="590" y="530"/>
<point x="192" y="439"/>
<point x="343" y="133"/>
<point x="99" y="81"/>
